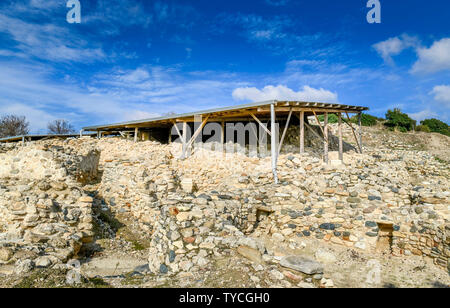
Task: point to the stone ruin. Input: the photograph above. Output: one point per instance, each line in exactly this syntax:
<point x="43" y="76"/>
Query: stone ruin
<point x="385" y="201"/>
<point x="44" y="215"/>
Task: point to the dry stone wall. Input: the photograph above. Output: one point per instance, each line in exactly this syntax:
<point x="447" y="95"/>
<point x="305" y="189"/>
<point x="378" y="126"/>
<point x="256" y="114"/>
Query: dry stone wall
<point x="386" y="201"/>
<point x="45" y="217"/>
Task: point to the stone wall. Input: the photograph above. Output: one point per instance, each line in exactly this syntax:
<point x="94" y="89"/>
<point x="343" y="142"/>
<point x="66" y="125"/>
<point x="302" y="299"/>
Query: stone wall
<point x="45" y="217"/>
<point x="368" y="204"/>
<point x="385" y="201"/>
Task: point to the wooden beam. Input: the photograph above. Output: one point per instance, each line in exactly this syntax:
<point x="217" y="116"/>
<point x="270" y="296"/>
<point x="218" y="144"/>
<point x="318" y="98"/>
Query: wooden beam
<point x="284" y="132"/>
<point x="260" y="123"/>
<point x="183" y="140"/>
<point x="178" y="131"/>
<point x="314" y="132"/>
<point x="136" y="132"/>
<point x="354" y="134"/>
<point x="306" y="109"/>
<point x="318" y="123"/>
<point x="222" y="133"/>
<point x="197" y="132"/>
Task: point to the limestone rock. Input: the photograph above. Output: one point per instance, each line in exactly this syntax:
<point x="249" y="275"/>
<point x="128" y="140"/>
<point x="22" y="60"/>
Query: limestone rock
<point x="302" y="264"/>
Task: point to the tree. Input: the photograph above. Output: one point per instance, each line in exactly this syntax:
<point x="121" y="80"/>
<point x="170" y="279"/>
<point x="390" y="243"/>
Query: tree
<point x="437" y="126"/>
<point x="12" y="125"/>
<point x="423" y="128"/>
<point x="60" y="127"/>
<point x="332" y="118"/>
<point x="366" y="120"/>
<point x="395" y="119"/>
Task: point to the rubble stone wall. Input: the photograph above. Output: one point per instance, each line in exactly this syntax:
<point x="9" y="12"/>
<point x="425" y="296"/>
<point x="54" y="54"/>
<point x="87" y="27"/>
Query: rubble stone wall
<point x="387" y="201"/>
<point x="43" y="208"/>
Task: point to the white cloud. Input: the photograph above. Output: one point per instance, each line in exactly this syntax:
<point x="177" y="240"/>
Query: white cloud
<point x="46" y="41"/>
<point x="422" y="115"/>
<point x="433" y="59"/>
<point x="114" y="96"/>
<point x="37" y="118"/>
<point x="442" y="94"/>
<point x="394" y="46"/>
<point x="281" y="92"/>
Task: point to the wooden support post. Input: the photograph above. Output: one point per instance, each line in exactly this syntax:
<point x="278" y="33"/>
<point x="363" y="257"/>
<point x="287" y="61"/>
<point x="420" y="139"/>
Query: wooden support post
<point x="273" y="143"/>
<point x="341" y="145"/>
<point x="260" y="124"/>
<point x="360" y="132"/>
<point x="318" y="122"/>
<point x="136" y="133"/>
<point x="222" y="132"/>
<point x="222" y="136"/>
<point x="178" y="131"/>
<point x="325" y="138"/>
<point x="302" y="132"/>
<point x="184" y="139"/>
<point x="354" y="134"/>
<point x="314" y="132"/>
<point x="284" y="131"/>
<point x="197" y="132"/>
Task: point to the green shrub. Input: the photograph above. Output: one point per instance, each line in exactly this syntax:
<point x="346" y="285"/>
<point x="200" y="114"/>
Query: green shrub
<point x="423" y="128"/>
<point x="366" y="120"/>
<point x="332" y="118"/>
<point x="395" y="119"/>
<point x="436" y="126"/>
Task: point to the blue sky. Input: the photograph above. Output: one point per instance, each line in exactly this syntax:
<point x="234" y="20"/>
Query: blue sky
<point x="132" y="59"/>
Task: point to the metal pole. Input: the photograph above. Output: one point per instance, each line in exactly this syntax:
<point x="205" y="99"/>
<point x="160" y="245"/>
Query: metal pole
<point x="222" y="134"/>
<point x="360" y="131"/>
<point x="302" y="132"/>
<point x="341" y="145"/>
<point x="273" y="143"/>
<point x="184" y="140"/>
<point x="325" y="138"/>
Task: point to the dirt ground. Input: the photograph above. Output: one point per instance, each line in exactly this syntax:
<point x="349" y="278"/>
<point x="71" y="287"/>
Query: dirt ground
<point x="113" y="268"/>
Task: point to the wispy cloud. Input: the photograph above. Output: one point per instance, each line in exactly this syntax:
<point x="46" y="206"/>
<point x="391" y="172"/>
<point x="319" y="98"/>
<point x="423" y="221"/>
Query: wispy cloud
<point x="423" y="114"/>
<point x="394" y="46"/>
<point x="46" y="41"/>
<point x="113" y="16"/>
<point x="281" y="92"/>
<point x="279" y="34"/>
<point x="442" y="94"/>
<point x="277" y="2"/>
<point x="116" y="96"/>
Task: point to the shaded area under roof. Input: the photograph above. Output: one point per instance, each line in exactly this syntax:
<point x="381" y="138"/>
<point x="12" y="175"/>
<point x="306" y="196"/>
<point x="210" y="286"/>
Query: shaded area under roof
<point x="230" y="113"/>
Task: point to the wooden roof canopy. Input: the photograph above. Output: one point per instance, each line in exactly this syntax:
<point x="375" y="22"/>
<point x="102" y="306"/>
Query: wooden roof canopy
<point x="234" y="114"/>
